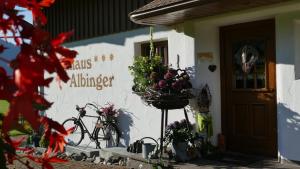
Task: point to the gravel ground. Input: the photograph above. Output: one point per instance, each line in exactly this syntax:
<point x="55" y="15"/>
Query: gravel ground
<point x="67" y="165"/>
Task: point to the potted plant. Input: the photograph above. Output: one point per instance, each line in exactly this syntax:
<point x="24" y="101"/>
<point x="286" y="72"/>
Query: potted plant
<point x="145" y="70"/>
<point x="110" y="113"/>
<point x="160" y="86"/>
<point x="179" y="134"/>
<point x="157" y="84"/>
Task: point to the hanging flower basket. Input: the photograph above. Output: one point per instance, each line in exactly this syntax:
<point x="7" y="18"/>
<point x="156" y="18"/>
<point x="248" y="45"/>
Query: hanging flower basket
<point x="174" y="103"/>
<point x="166" y="100"/>
<point x="159" y="85"/>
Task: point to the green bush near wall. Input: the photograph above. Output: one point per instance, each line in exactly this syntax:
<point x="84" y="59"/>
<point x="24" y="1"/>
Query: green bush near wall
<point x="4" y="105"/>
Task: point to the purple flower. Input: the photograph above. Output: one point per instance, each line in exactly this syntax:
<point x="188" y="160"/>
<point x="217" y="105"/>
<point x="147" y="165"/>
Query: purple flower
<point x="162" y="83"/>
<point x="155" y="86"/>
<point x="168" y="76"/>
<point x="109" y="111"/>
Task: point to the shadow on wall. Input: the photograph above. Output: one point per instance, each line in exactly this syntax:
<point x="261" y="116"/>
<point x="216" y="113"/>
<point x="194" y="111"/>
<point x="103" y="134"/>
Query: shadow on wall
<point x="124" y="123"/>
<point x="288" y="127"/>
<point x="118" y="38"/>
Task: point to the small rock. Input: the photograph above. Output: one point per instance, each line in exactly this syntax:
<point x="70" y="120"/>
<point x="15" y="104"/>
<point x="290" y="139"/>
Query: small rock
<point x="97" y="160"/>
<point x="77" y="157"/>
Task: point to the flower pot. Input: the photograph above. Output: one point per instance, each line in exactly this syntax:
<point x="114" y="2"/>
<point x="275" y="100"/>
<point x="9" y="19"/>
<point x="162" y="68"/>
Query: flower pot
<point x="180" y="151"/>
<point x="147" y="148"/>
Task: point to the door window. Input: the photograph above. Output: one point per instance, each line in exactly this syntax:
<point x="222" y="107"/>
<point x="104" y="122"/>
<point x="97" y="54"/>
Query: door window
<point x="249" y="65"/>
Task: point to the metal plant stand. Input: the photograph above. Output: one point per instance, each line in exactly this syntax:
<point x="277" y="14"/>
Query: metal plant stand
<point x="164" y="123"/>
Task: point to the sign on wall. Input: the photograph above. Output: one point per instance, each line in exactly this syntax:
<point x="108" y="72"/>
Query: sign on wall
<point x="89" y="79"/>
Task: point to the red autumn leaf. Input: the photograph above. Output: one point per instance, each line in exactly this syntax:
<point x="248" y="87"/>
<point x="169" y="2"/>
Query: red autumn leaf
<point x="61" y="38"/>
<point x="37" y="14"/>
<point x="21" y="104"/>
<point x="16" y="142"/>
<point x="40" y="37"/>
<point x="53" y="125"/>
<point x="45" y="160"/>
<point x="9" y="120"/>
<point x="47" y="166"/>
<point x="70" y="130"/>
<point x="66" y="63"/>
<point x="24" y="80"/>
<point x="62" y="74"/>
<point x="57" y="141"/>
<point x="35" y="159"/>
<point x="37" y="56"/>
<point x="11" y="4"/>
<point x="46" y="3"/>
<point x="7" y="87"/>
<point x="57" y="160"/>
<point x="58" y="68"/>
<point x="18" y="41"/>
<point x="27" y="29"/>
<point x="41" y="102"/>
<point x="2" y="72"/>
<point x="66" y="52"/>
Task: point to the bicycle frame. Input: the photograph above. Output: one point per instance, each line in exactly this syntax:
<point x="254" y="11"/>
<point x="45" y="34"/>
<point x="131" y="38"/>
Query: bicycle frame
<point x="100" y="120"/>
<point x="85" y="130"/>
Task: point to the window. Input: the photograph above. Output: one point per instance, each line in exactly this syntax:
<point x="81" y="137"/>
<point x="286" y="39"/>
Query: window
<point x="160" y="48"/>
<point x="249" y="64"/>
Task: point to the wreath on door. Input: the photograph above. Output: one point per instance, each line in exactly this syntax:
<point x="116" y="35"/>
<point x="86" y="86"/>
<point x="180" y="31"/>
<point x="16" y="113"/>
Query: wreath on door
<point x="246" y="52"/>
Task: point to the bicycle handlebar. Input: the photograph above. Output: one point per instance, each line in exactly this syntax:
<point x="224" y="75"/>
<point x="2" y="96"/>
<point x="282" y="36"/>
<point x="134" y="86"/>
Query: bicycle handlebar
<point x="82" y="110"/>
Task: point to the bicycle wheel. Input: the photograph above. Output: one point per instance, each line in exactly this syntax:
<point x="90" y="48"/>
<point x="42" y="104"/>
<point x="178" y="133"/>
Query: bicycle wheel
<point x="74" y="138"/>
<point x="107" y="135"/>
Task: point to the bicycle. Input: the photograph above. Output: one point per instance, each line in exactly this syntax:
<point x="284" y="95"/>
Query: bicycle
<point x="104" y="131"/>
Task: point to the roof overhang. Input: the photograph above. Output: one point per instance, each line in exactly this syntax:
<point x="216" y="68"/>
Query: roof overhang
<point x="191" y="9"/>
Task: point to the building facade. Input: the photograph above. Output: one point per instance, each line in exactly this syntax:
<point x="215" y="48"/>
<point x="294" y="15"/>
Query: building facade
<point x="254" y="88"/>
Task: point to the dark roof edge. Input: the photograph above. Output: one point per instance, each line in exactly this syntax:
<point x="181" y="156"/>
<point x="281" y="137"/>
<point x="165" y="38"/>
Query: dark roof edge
<point x="136" y="17"/>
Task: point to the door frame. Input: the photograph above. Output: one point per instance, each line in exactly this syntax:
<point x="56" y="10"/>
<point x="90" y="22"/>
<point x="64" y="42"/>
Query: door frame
<point x="224" y="77"/>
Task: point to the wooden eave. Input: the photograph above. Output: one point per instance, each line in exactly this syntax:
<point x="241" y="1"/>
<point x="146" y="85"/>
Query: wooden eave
<point x="191" y="9"/>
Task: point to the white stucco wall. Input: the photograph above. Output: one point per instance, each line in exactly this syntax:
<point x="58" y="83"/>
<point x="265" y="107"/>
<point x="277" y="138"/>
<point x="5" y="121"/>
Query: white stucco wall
<point x="138" y="119"/>
<point x="288" y="92"/>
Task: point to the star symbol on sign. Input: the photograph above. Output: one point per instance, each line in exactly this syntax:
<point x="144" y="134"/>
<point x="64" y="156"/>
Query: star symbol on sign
<point x="103" y="58"/>
<point x="111" y="57"/>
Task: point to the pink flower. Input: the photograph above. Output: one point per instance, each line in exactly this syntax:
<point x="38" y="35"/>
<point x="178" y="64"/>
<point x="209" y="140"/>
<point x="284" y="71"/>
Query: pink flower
<point x="162" y="84"/>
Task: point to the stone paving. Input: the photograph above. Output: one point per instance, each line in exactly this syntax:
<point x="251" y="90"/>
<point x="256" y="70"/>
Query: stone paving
<point x="67" y="165"/>
<point x="228" y="161"/>
<point x="199" y="164"/>
<point x="263" y="164"/>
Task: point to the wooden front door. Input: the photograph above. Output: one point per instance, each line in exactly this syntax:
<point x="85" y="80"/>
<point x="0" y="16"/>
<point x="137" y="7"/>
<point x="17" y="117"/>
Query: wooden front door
<point x="249" y="87"/>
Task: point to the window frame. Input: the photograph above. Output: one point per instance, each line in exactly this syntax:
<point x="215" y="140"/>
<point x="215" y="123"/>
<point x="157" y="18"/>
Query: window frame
<point x="145" y="47"/>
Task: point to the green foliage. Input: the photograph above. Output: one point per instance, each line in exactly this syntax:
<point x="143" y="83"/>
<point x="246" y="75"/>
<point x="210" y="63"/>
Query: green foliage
<point x="178" y="132"/>
<point x="4" y="105"/>
<point x="22" y="129"/>
<point x="44" y="142"/>
<point x="14" y="133"/>
<point x="141" y="70"/>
